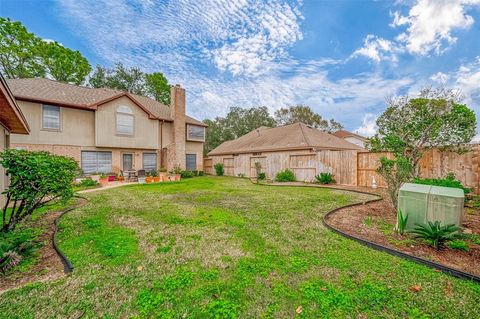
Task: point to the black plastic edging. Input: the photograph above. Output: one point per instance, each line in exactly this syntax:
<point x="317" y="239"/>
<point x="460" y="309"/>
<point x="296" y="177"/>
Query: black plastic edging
<point x="445" y="269"/>
<point x="67" y="264"/>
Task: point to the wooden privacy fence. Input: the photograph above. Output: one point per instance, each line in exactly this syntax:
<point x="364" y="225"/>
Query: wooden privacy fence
<point x="350" y="167"/>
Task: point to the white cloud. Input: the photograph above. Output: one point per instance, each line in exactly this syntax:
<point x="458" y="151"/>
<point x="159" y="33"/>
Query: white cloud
<point x="377" y="49"/>
<point x="369" y="126"/>
<point x="440" y="77"/>
<point x="430" y="24"/>
<point x="467" y="80"/>
<point x="228" y="53"/>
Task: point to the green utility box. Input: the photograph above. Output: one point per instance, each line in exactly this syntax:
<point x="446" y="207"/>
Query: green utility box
<point x="424" y="203"/>
<point x="413" y="200"/>
<point x="446" y="205"/>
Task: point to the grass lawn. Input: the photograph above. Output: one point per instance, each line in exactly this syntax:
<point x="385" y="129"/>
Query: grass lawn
<point x="219" y="247"/>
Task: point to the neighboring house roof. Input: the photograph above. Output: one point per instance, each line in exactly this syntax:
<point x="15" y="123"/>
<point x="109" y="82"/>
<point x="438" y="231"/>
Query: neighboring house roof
<point x="69" y="95"/>
<point x="288" y="137"/>
<point x="11" y="117"/>
<point x="344" y="134"/>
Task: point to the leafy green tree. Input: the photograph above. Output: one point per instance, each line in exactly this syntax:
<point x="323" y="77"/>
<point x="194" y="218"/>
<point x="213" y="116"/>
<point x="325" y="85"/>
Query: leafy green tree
<point x="24" y="55"/>
<point x="63" y="64"/>
<point x="36" y="179"/>
<point x="156" y="85"/>
<point x="132" y="80"/>
<point x="411" y="126"/>
<point x="304" y="114"/>
<point x="238" y="122"/>
<point x="19" y="51"/>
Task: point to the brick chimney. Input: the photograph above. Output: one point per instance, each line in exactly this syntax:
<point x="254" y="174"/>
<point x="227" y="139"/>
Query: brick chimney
<point x="177" y="112"/>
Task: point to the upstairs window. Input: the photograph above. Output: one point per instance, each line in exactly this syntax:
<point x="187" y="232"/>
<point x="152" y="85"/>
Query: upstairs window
<point x="125" y="120"/>
<point x="195" y="133"/>
<point x="51" y="117"/>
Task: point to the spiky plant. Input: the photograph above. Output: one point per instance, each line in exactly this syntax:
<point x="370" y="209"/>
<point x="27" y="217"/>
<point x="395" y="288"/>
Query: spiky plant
<point x="436" y="234"/>
<point x="401" y="222"/>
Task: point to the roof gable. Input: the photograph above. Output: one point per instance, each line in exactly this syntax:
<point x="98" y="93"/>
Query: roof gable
<point x="52" y="92"/>
<point x="293" y="136"/>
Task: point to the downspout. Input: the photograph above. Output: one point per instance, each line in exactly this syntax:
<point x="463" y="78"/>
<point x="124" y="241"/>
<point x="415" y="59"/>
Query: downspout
<point x="161" y="143"/>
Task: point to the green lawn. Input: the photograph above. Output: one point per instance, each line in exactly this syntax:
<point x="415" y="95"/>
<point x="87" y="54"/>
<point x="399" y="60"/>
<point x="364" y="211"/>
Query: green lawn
<point x="225" y="248"/>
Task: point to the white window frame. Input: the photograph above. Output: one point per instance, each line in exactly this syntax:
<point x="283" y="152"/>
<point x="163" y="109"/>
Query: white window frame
<point x="193" y="138"/>
<point x="124" y="112"/>
<point x="44" y="106"/>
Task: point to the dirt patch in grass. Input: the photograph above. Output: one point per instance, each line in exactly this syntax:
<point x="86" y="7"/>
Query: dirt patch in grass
<point x="48" y="265"/>
<point x="375" y="222"/>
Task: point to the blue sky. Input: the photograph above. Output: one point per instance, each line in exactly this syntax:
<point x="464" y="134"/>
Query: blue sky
<point x="342" y="58"/>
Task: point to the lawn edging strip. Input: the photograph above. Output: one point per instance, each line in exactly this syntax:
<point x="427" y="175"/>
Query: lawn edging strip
<point x="445" y="269"/>
<point x="68" y="266"/>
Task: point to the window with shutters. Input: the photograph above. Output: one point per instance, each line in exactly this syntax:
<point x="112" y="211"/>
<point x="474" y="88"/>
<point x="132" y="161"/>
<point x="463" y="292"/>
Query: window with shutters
<point x="125" y="121"/>
<point x="93" y="162"/>
<point x="51" y="117"/>
<point x="149" y="161"/>
<point x="191" y="162"/>
<point x="195" y="133"/>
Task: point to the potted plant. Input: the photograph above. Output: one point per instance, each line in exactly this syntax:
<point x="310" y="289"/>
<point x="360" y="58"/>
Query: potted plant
<point x="95" y="176"/>
<point x="112" y="177"/>
<point x="149" y="178"/>
<point x="176" y="173"/>
<point x="103" y="179"/>
<point x="155" y="176"/>
<point x="163" y="174"/>
<point x="120" y="178"/>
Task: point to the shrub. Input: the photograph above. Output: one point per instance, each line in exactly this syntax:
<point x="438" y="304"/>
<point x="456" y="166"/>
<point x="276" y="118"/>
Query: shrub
<point x="87" y="182"/>
<point x="219" y="169"/>
<point x="36" y="179"/>
<point x="436" y="234"/>
<point x="261" y="176"/>
<point x="187" y="174"/>
<point x="153" y="173"/>
<point x="458" y="245"/>
<point x="285" y="176"/>
<point x="200" y="173"/>
<point x="325" y="178"/>
<point x="448" y="181"/>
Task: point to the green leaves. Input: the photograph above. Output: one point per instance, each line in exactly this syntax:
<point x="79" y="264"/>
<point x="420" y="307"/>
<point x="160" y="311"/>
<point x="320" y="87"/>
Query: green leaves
<point x="132" y="80"/>
<point x="304" y="114"/>
<point x="24" y="55"/>
<point x="285" y="176"/>
<point x="436" y="234"/>
<point x="218" y="169"/>
<point x="36" y="178"/>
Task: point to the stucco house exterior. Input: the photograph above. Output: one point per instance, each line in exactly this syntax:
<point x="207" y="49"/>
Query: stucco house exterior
<point x="351" y="137"/>
<point x="303" y="149"/>
<point x="12" y="121"/>
<point x="107" y="130"/>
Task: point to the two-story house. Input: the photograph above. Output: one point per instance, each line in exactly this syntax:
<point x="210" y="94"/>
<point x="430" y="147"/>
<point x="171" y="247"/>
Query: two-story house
<point x="107" y="130"/>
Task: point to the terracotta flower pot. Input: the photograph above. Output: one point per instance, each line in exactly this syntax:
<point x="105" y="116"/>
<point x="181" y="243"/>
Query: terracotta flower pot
<point x="156" y="179"/>
<point x="148" y="179"/>
<point x="103" y="181"/>
<point x="177" y="177"/>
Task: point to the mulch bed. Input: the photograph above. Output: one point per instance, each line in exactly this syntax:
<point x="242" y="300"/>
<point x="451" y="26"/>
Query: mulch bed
<point x="48" y="266"/>
<point x="375" y="221"/>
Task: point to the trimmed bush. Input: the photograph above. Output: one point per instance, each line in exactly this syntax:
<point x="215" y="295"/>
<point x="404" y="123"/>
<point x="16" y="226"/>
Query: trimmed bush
<point x="325" y="178"/>
<point x="187" y="174"/>
<point x="285" y="176"/>
<point x="36" y="179"/>
<point x="219" y="169"/>
<point x="261" y="176"/>
<point x="448" y="181"/>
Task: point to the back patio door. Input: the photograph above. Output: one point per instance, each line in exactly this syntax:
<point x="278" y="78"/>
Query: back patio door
<point x="127" y="162"/>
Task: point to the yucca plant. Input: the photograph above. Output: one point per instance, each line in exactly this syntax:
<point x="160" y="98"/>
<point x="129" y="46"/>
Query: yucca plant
<point x="436" y="234"/>
<point x="401" y="222"/>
